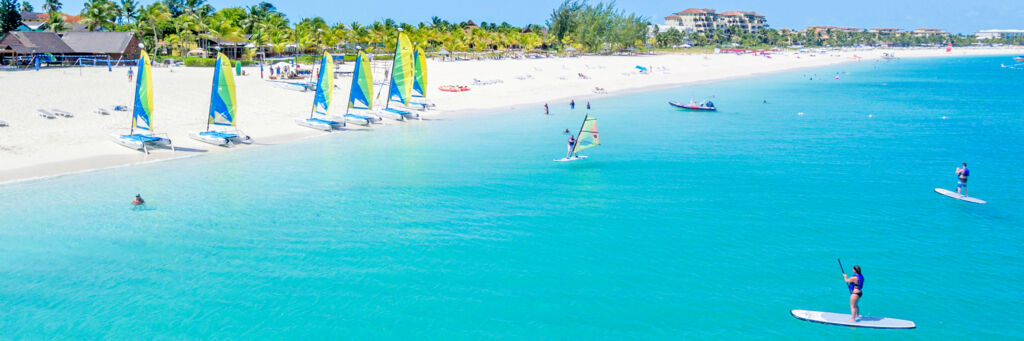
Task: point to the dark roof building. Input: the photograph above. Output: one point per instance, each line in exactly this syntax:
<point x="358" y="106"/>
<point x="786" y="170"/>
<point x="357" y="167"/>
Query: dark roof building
<point x="33" y="42"/>
<point x="114" y="44"/>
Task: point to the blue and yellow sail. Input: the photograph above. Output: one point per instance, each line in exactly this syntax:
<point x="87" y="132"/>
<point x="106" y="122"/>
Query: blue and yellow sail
<point x="223" y="100"/>
<point x="324" y="86"/>
<point x="361" y="95"/>
<point x="142" y="117"/>
<point x="419" y="85"/>
<point x="403" y="71"/>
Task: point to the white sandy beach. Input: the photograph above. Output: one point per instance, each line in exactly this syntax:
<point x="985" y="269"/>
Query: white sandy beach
<point x="36" y="147"/>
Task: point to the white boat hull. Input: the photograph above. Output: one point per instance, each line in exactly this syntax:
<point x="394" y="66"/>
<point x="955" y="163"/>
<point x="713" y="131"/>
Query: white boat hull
<point x="319" y="124"/>
<point x="218" y="140"/>
<point x="397" y="114"/>
<point x="127" y="141"/>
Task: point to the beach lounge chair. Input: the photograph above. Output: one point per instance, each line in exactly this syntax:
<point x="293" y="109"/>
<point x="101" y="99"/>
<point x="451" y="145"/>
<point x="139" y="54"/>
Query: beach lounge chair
<point x="62" y="113"/>
<point x="3" y="123"/>
<point x="46" y="114"/>
<point x="101" y="111"/>
<point x="120" y="108"/>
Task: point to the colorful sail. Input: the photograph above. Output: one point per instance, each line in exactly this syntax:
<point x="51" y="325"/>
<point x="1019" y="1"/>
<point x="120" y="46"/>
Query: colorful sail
<point x="361" y="95"/>
<point x="142" y="117"/>
<point x="587" y="137"/>
<point x="419" y="85"/>
<point x="222" y="98"/>
<point x="402" y="73"/>
<point x="324" y="86"/>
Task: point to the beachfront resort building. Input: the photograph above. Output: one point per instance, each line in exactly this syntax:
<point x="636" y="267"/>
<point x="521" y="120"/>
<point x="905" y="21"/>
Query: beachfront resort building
<point x="884" y="30"/>
<point x="998" y="34"/>
<point x="927" y="32"/>
<point x="706" y="19"/>
<point x="22" y="46"/>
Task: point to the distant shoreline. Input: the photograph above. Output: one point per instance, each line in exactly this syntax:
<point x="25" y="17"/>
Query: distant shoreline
<point x="35" y="149"/>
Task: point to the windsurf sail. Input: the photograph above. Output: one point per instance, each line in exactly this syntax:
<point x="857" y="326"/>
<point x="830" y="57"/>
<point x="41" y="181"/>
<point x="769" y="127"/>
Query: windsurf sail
<point x="222" y="98"/>
<point x="142" y="117"/>
<point x="324" y="87"/>
<point x="361" y="95"/>
<point x="419" y="85"/>
<point x="587" y="137"/>
<point x="402" y="72"/>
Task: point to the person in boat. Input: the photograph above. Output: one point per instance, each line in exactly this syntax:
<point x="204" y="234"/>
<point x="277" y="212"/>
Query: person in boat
<point x="961" y="176"/>
<point x="856" y="285"/>
<point x="708" y="104"/>
<point x="572" y="104"/>
<point x="138" y="200"/>
<point x="572" y="142"/>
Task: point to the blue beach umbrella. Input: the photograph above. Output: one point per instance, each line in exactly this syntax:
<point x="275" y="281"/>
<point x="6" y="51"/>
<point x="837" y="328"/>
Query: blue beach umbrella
<point x="36" y="58"/>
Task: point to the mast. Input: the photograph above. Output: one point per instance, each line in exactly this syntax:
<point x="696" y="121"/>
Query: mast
<point x="135" y="101"/>
<point x="398" y="40"/>
<point x="318" y="79"/>
<point x="580" y="133"/>
<point x="213" y="92"/>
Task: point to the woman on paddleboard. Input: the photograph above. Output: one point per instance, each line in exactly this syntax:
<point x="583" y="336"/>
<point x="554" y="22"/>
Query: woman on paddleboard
<point x="855" y="284"/>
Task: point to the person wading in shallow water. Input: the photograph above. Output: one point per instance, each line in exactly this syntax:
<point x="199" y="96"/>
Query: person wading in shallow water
<point x="855" y="283"/>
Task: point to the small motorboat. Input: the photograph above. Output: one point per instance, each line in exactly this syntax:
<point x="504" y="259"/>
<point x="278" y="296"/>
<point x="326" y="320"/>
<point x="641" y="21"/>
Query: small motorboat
<point x="703" y="106"/>
<point x="1019" y="58"/>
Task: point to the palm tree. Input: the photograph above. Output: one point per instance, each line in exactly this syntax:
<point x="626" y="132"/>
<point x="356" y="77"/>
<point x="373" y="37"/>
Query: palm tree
<point x="155" y="15"/>
<point x="129" y="10"/>
<point x="51" y="6"/>
<point x="26" y="7"/>
<point x="98" y="13"/>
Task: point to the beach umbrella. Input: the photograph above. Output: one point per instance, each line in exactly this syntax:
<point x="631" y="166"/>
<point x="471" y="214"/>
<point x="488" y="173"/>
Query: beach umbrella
<point x="109" y="69"/>
<point x="238" y="68"/>
<point x="37" y="62"/>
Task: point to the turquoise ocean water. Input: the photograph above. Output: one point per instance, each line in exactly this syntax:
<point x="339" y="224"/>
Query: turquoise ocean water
<point x="680" y="226"/>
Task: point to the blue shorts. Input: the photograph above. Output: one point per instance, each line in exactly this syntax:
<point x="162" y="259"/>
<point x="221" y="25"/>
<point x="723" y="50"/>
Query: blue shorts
<point x="960" y="184"/>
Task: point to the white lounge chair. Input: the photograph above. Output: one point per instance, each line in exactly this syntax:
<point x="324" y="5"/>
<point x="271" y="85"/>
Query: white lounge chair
<point x="46" y="114"/>
<point x="101" y="111"/>
<point x="62" y="113"/>
<point x="3" y="123"/>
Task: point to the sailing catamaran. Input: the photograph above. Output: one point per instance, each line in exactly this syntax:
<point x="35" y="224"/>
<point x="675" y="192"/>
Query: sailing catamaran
<point x="419" y="84"/>
<point x="402" y="72"/>
<point x="142" y="116"/>
<point x="223" y="108"/>
<point x="319" y="117"/>
<point x="360" y="97"/>
<point x="586" y="138"/>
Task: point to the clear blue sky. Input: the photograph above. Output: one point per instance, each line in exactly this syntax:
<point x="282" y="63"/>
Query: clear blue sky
<point x="960" y="16"/>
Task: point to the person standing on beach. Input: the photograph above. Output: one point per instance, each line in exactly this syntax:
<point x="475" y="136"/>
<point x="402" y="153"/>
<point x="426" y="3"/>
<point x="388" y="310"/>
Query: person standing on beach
<point x="572" y="104"/>
<point x="961" y="174"/>
<point x="130" y="74"/>
<point x="855" y="283"/>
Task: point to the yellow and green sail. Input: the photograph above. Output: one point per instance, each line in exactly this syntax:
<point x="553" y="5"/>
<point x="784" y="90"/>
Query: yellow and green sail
<point x="142" y="117"/>
<point x="403" y="71"/>
<point x="223" y="100"/>
<point x="361" y="95"/>
<point x="588" y="137"/>
<point x="324" y="86"/>
<point x="419" y="85"/>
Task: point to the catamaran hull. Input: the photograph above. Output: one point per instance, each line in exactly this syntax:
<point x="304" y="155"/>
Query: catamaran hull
<point x="319" y="125"/>
<point x="219" y="141"/>
<point x="398" y="115"/>
<point x="139" y="145"/>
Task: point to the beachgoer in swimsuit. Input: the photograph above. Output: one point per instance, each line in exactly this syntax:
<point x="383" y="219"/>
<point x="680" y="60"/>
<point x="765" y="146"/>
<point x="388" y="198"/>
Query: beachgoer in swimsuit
<point x="961" y="176"/>
<point x="855" y="284"/>
<point x="138" y="200"/>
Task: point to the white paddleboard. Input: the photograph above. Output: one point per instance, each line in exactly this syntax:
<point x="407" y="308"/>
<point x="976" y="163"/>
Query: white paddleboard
<point x="954" y="195"/>
<point x="570" y="159"/>
<point x="844" y="320"/>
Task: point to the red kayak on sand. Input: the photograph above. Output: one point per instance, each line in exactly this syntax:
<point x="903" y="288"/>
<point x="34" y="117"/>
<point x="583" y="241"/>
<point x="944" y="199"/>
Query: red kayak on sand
<point x="704" y="106"/>
<point x="453" y="88"/>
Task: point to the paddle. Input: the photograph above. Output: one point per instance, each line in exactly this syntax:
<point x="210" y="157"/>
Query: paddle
<point x="841" y="268"/>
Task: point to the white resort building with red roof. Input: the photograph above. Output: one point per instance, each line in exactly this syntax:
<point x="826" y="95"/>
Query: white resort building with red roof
<point x="706" y="19"/>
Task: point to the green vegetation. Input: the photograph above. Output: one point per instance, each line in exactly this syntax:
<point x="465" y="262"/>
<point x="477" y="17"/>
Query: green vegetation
<point x="768" y="38"/>
<point x="596" y="27"/>
<point x="9" y="17"/>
